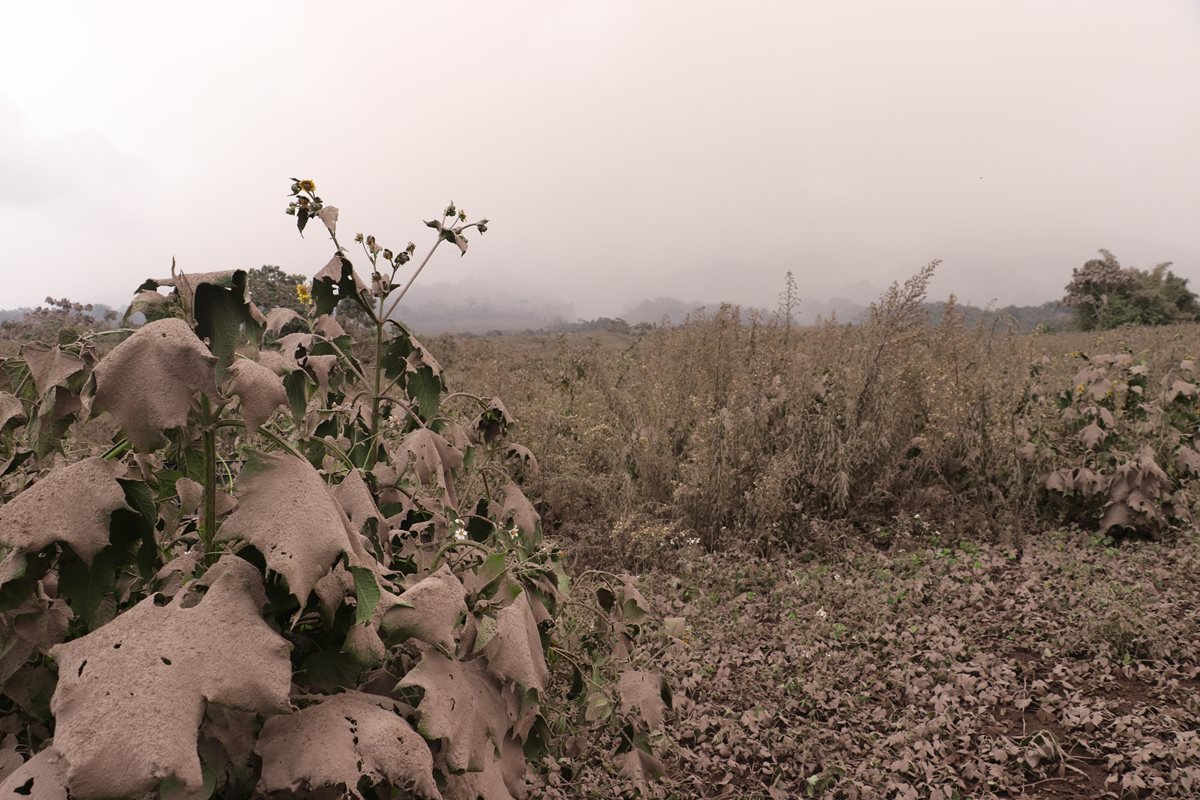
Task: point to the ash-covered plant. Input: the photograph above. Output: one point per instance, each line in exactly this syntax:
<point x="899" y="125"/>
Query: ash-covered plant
<point x="1118" y="450"/>
<point x="294" y="572"/>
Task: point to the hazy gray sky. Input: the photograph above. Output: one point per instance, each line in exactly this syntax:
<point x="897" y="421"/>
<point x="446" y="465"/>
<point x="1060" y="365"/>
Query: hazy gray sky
<point x="622" y="149"/>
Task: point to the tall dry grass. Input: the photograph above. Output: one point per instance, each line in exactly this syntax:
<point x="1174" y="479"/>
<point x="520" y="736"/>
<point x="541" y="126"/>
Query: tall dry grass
<point x="732" y="428"/>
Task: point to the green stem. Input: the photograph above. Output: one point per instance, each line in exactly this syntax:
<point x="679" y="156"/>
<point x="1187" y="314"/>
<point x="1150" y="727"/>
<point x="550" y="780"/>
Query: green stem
<point x="375" y="398"/>
<point x="117" y="450"/>
<point x="208" y="528"/>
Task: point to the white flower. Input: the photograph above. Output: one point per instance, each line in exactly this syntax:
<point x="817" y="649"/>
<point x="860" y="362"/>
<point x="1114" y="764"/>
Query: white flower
<point x="822" y="614"/>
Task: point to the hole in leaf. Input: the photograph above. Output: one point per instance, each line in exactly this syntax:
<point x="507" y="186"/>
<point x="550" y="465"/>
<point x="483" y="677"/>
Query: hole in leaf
<point x="25" y="788"/>
<point x="165" y="660"/>
<point x="117" y="646"/>
<point x="161" y="599"/>
<point x="82" y="664"/>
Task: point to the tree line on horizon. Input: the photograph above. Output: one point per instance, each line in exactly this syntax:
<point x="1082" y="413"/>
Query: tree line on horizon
<point x="1101" y="295"/>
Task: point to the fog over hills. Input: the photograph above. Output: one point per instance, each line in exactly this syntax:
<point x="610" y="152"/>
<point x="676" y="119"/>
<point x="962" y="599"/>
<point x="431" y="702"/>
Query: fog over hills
<point x="486" y="306"/>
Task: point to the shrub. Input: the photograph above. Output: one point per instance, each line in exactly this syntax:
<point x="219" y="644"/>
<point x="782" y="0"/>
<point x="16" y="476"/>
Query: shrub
<point x="1117" y="449"/>
<point x="295" y="572"/>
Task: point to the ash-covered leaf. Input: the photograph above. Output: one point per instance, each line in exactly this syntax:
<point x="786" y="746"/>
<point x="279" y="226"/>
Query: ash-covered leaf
<point x="488" y="783"/>
<point x="321" y="367"/>
<point x="259" y="389"/>
<point x="641" y="767"/>
<point x="329" y="215"/>
<point x="72" y="505"/>
<point x="151" y="304"/>
<point x="32" y="627"/>
<point x="462" y="707"/>
<point x="131" y="695"/>
<point x="328" y="326"/>
<point x="416" y="371"/>
<point x="492" y="423"/>
<point x="219" y="303"/>
<point x="336" y="281"/>
<point x="514" y="649"/>
<point x="166" y="365"/>
<point x="340" y="740"/>
<point x="11" y="410"/>
<point x="432" y="458"/>
<point x="43" y="777"/>
<point x="1092" y="435"/>
<point x="645" y="694"/>
<point x="50" y="366"/>
<point x="10" y="757"/>
<point x="286" y="512"/>
<point x="515" y="508"/>
<point x="429" y="611"/>
<point x="354" y="496"/>
<point x="278" y="317"/>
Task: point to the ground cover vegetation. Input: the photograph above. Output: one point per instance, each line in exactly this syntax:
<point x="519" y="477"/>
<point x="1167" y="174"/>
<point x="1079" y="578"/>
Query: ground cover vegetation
<point x="914" y="559"/>
<point x="923" y="555"/>
<point x="289" y="571"/>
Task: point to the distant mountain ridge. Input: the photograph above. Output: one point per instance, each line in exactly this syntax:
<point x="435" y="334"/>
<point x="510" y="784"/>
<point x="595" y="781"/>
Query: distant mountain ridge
<point x="481" y="308"/>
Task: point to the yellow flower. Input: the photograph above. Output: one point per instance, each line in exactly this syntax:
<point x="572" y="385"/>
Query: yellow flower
<point x="308" y="186"/>
<point x="1080" y="389"/>
<point x="302" y="294"/>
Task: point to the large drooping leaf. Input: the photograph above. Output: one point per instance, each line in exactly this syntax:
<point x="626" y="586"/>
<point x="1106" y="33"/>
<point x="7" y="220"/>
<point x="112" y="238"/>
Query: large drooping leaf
<point x="222" y="310"/>
<point x="32" y="627"/>
<point x="131" y="695"/>
<point x="336" y="281"/>
<point x="516" y="509"/>
<point x="72" y="505"/>
<point x="50" y="366"/>
<point x="415" y="370"/>
<point x="10" y="410"/>
<point x="492" y="422"/>
<point x="338" y="741"/>
<point x="354" y="496"/>
<point x="488" y="783"/>
<point x="286" y="512"/>
<point x="513" y="647"/>
<point x="259" y="390"/>
<point x="462" y="706"/>
<point x="329" y="215"/>
<point x="432" y="458"/>
<point x="219" y="302"/>
<point x="278" y="317"/>
<point x="430" y="610"/>
<point x="226" y="743"/>
<point x="165" y="365"/>
<point x="43" y="777"/>
<point x="644" y="693"/>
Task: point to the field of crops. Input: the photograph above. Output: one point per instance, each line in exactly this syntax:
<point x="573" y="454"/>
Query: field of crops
<point x="256" y="552"/>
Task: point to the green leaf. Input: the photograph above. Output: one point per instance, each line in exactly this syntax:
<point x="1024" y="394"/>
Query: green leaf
<point x="140" y="498"/>
<point x="296" y="383"/>
<point x="408" y="362"/>
<point x="173" y="789"/>
<point x="366" y="592"/>
<point x="90" y="592"/>
<point x="221" y="312"/>
<point x="336" y="281"/>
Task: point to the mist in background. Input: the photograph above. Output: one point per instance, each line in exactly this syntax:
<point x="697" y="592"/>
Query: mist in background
<point x="623" y="150"/>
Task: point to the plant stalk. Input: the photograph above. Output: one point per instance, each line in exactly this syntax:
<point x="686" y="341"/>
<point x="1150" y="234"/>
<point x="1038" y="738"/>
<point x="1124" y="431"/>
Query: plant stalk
<point x="208" y="525"/>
